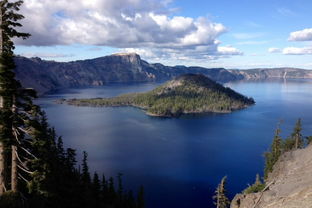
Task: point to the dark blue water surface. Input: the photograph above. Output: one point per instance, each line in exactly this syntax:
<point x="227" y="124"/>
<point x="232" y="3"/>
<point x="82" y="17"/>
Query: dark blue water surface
<point x="180" y="161"/>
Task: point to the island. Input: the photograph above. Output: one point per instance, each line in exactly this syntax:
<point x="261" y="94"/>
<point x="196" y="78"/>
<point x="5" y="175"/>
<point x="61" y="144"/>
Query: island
<point x="185" y="94"/>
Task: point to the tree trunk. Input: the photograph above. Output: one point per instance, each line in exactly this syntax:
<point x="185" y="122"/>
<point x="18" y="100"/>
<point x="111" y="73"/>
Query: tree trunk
<point x="14" y="155"/>
<point x="2" y="156"/>
<point x="14" y="169"/>
<point x="2" y="181"/>
<point x="297" y="137"/>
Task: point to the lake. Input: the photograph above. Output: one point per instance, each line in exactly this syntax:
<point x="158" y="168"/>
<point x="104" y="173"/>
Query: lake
<point x="180" y="161"/>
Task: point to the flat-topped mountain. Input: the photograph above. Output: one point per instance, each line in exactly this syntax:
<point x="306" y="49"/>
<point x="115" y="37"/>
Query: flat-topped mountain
<point x="189" y="93"/>
<point x="46" y="76"/>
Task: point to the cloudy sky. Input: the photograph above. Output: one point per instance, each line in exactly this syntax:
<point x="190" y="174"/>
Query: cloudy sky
<point x="210" y="33"/>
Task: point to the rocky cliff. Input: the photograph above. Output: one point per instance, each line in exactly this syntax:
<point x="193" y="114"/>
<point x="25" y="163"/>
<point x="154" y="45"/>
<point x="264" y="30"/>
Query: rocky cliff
<point x="289" y="185"/>
<point x="46" y="76"/>
<point x="284" y="73"/>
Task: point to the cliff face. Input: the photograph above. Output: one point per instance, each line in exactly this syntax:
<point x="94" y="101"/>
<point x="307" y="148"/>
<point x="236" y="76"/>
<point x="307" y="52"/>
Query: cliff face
<point x="290" y="184"/>
<point x="45" y="76"/>
<point x="285" y="73"/>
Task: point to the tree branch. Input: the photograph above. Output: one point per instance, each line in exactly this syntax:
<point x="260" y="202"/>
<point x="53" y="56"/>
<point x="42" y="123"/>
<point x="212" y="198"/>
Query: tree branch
<point x="20" y="175"/>
<point x="29" y="172"/>
<point x="28" y="152"/>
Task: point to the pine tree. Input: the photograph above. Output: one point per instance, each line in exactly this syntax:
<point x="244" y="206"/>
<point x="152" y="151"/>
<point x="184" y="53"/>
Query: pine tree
<point x="10" y="89"/>
<point x="129" y="200"/>
<point x="96" y="187"/>
<point x="86" y="179"/>
<point x="110" y="197"/>
<point x="276" y="147"/>
<point x="140" y="200"/>
<point x="258" y="180"/>
<point x="221" y="200"/>
<point x="256" y="187"/>
<point x="45" y="173"/>
<point x="120" y="187"/>
<point x="273" y="155"/>
<point x="297" y="136"/>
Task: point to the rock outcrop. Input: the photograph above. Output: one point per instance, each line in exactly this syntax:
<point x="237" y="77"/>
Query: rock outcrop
<point x="281" y="73"/>
<point x="289" y="184"/>
<point x="46" y="76"/>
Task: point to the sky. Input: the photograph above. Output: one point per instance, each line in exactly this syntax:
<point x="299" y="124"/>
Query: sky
<point x="224" y="33"/>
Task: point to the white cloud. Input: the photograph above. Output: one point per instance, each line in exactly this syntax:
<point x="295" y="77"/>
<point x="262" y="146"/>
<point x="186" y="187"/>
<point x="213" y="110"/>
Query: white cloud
<point x="297" y="51"/>
<point x="229" y="50"/>
<point x="198" y="53"/>
<point x="146" y="53"/>
<point x="301" y="35"/>
<point x="139" y="24"/>
<point x="274" y="50"/>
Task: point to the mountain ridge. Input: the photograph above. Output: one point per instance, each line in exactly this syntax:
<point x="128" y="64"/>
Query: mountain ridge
<point x="46" y="76"/>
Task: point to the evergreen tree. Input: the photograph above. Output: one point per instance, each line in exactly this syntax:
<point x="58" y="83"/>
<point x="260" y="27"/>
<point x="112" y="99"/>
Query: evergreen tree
<point x="96" y="187"/>
<point x="10" y="91"/>
<point x="276" y="147"/>
<point x="296" y="135"/>
<point x="258" y="180"/>
<point x="140" y="200"/>
<point x="111" y="196"/>
<point x="32" y="159"/>
<point x="104" y="190"/>
<point x="129" y="200"/>
<point x="60" y="148"/>
<point x="120" y="187"/>
<point x="256" y="187"/>
<point x="272" y="156"/>
<point x="221" y="200"/>
<point x="86" y="179"/>
<point x="295" y="141"/>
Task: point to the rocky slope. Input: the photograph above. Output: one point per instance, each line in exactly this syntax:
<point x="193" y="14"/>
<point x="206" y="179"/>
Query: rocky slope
<point x="290" y="184"/>
<point x="46" y="76"/>
<point x="188" y="93"/>
<point x="283" y="73"/>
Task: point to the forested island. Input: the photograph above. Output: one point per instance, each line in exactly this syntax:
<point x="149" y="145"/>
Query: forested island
<point x="186" y="94"/>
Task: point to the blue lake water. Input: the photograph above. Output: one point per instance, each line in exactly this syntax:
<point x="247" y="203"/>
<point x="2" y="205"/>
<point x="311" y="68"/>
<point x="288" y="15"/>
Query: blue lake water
<point x="180" y="161"/>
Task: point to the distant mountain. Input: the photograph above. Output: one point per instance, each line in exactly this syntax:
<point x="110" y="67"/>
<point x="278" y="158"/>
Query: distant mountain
<point x="284" y="73"/>
<point x="189" y="93"/>
<point x="46" y="76"/>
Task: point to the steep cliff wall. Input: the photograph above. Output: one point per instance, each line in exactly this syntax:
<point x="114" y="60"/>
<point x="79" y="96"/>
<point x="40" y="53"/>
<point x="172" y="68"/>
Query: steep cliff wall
<point x="284" y="73"/>
<point x="290" y="184"/>
<point x="45" y="76"/>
